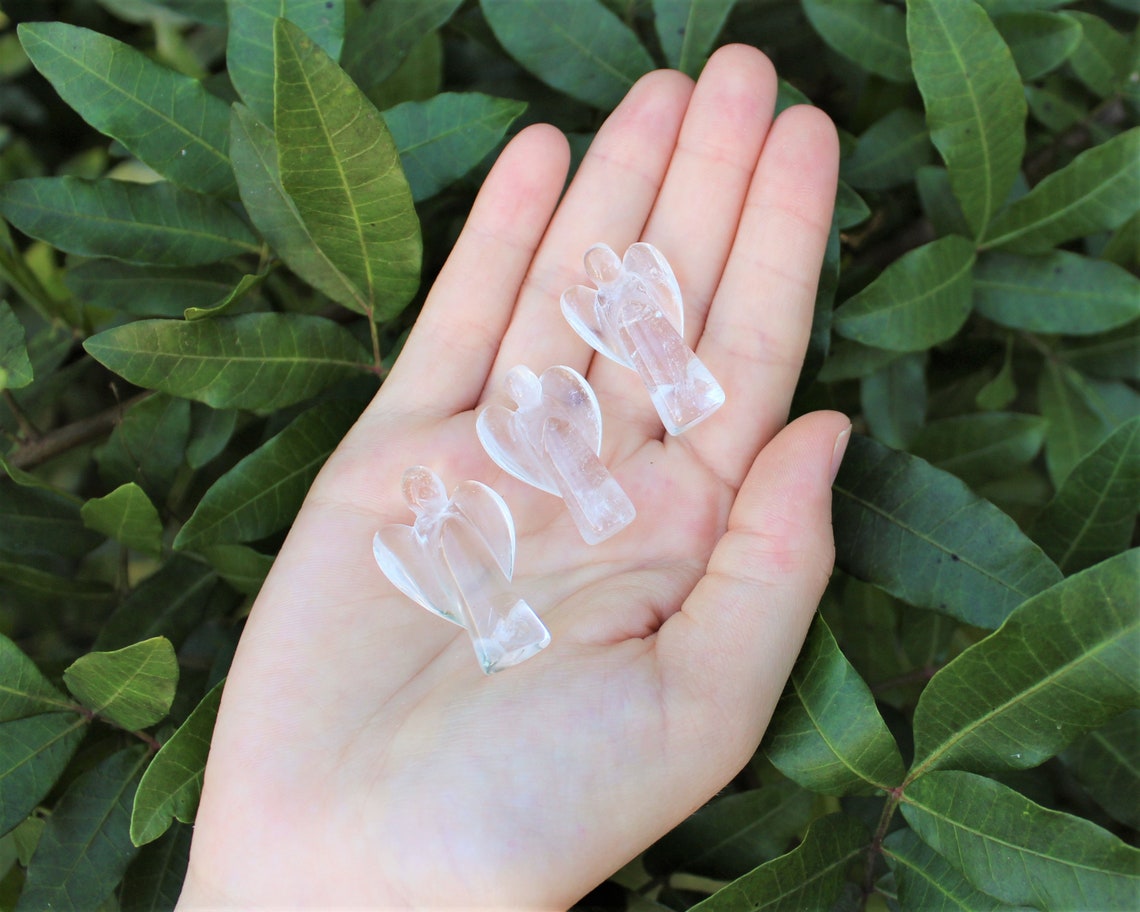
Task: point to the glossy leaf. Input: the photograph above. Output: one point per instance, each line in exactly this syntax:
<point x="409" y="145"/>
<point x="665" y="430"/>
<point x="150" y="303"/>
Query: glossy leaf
<point x="15" y="368"/>
<point x="127" y="516"/>
<point x="889" y="152"/>
<point x="154" y="880"/>
<point x="1107" y="763"/>
<point x="927" y="882"/>
<point x="172" y="784"/>
<point x="922" y="535"/>
<point x="733" y="834"/>
<point x="340" y="167"/>
<point x="1018" y="851"/>
<point x="687" y="30"/>
<point x="132" y="687"/>
<point x="1093" y="515"/>
<point x="249" y="47"/>
<point x="253" y="149"/>
<point x="869" y="32"/>
<point x="1039" y="41"/>
<point x="975" y="108"/>
<point x="381" y="39"/>
<point x="149" y="291"/>
<point x="34" y="751"/>
<point x="809" y="877"/>
<point x="1059" y="292"/>
<point x="253" y="361"/>
<point x="1102" y="56"/>
<point x="148" y="445"/>
<point x="85" y="847"/>
<point x="576" y="46"/>
<point x="981" y="447"/>
<point x="1078" y="420"/>
<point x="1062" y="664"/>
<point x="1097" y="191"/>
<point x="263" y="492"/>
<point x="139" y="223"/>
<point x="919" y="300"/>
<point x="24" y="691"/>
<point x="826" y="733"/>
<point x="166" y="119"/>
<point x="442" y="139"/>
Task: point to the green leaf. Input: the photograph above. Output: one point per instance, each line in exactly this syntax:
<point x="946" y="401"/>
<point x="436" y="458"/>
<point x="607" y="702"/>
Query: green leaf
<point x="687" y="30"/>
<point x="921" y="299"/>
<point x="33" y="754"/>
<point x="340" y="166"/>
<point x="576" y="46"/>
<point x="922" y="535"/>
<point x="1102" y="57"/>
<point x="1078" y="420"/>
<point x="849" y="360"/>
<point x="1062" y="664"/>
<point x="127" y="516"/>
<point x="212" y="430"/>
<point x="263" y="492"/>
<point x="974" y="104"/>
<point x="893" y="400"/>
<point x="1093" y="514"/>
<point x="154" y="880"/>
<point x="149" y="291"/>
<point x="24" y="691"/>
<point x="927" y="881"/>
<point x="442" y="139"/>
<point x="139" y="223"/>
<point x="980" y="447"/>
<point x="1115" y="354"/>
<point x="172" y="784"/>
<point x="850" y="209"/>
<point x="809" y="877"/>
<point x="826" y="733"/>
<point x="247" y="285"/>
<point x="1018" y="851"/>
<point x="1097" y="191"/>
<point x="889" y="152"/>
<point x="1039" y="41"/>
<point x="253" y="149"/>
<point x="21" y="584"/>
<point x="1002" y="389"/>
<point x="255" y="361"/>
<point x="15" y="368"/>
<point x="132" y="687"/>
<point x="733" y="834"/>
<point x="939" y="202"/>
<point x="1060" y="292"/>
<point x="148" y="445"/>
<point x="869" y="32"/>
<point x="1107" y="763"/>
<point x="243" y="568"/>
<point x="249" y="47"/>
<point x="41" y="521"/>
<point x="381" y="39"/>
<point x="85" y="847"/>
<point x="171" y="603"/>
<point x="169" y="121"/>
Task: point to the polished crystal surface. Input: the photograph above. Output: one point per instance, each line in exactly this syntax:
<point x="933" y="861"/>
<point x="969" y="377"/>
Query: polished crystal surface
<point x="551" y="439"/>
<point x="457" y="560"/>
<point x="635" y="317"/>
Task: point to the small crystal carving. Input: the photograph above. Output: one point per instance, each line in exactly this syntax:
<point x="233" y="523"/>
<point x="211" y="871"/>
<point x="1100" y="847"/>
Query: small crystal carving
<point x="551" y="440"/>
<point x="635" y="317"/>
<point x="457" y="561"/>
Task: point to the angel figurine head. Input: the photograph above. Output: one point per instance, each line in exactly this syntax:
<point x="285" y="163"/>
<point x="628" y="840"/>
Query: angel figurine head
<point x="635" y="317"/>
<point x="457" y="560"/>
<point x="551" y="439"/>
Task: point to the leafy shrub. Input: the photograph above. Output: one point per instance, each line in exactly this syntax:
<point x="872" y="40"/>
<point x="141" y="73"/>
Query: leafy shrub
<point x="186" y="335"/>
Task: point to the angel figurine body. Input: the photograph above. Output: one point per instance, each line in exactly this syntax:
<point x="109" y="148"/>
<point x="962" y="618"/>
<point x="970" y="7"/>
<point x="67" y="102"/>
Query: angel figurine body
<point x="457" y="561"/>
<point x="636" y="317"/>
<point x="552" y="439"/>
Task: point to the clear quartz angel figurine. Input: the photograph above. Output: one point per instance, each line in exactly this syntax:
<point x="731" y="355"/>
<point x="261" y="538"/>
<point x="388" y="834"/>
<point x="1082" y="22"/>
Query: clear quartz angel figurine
<point x="551" y="440"/>
<point x="635" y="317"/>
<point x="457" y="561"/>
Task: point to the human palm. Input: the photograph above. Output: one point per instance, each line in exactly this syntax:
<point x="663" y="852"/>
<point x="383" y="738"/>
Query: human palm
<point x="360" y="757"/>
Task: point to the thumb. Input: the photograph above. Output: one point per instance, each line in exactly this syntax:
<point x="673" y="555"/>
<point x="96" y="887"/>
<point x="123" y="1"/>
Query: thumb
<point x="728" y="653"/>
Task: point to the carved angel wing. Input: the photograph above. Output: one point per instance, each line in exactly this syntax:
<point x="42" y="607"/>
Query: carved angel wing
<point x="488" y="514"/>
<point x="404" y="559"/>
<point x="646" y="262"/>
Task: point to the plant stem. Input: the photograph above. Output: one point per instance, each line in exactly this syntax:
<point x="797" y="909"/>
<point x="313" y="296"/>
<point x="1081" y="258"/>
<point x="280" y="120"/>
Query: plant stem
<point x="894" y="796"/>
<point x="28" y="431"/>
<point x="47" y="446"/>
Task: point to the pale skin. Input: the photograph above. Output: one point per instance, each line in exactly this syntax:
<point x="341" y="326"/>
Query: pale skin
<point x="361" y="759"/>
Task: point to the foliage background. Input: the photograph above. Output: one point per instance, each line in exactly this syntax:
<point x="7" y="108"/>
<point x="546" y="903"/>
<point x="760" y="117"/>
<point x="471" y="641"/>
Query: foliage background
<point x="186" y="334"/>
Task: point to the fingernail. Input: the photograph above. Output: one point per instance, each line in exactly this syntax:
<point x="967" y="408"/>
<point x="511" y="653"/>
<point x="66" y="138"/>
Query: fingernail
<point x="839" y="450"/>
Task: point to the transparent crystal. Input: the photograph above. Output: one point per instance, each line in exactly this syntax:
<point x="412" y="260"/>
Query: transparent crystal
<point x="551" y="440"/>
<point x="635" y="317"/>
<point x="457" y="561"/>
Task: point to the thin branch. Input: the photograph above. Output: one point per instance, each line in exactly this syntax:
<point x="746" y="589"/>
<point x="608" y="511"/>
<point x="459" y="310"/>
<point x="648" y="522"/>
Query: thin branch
<point x="60" y="440"/>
